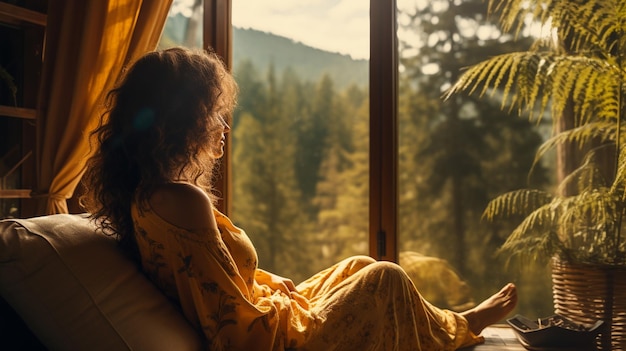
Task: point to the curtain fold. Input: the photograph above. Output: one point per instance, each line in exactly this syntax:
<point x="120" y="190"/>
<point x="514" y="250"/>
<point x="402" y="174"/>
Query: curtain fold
<point x="87" y="45"/>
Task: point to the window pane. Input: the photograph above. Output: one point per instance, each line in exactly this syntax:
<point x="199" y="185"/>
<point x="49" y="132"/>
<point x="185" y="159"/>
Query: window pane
<point x="300" y="133"/>
<point x="456" y="155"/>
<point x="183" y="26"/>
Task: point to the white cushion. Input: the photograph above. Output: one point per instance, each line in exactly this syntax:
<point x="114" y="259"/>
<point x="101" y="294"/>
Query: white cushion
<point x="76" y="291"/>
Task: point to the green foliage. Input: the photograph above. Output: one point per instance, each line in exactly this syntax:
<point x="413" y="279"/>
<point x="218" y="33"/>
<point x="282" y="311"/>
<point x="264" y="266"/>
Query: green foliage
<point x="576" y="75"/>
<point x="293" y="149"/>
<point x="265" y="186"/>
<point x="455" y="154"/>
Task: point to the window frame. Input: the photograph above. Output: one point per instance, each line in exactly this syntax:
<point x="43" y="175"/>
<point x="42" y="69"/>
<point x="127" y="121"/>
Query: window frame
<point x="383" y="203"/>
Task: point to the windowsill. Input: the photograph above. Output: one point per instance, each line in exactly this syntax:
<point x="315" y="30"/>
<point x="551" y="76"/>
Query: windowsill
<point x="498" y="337"/>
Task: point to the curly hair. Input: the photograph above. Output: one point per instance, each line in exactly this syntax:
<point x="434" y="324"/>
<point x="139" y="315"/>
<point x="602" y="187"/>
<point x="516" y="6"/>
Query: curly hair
<point x="159" y="124"/>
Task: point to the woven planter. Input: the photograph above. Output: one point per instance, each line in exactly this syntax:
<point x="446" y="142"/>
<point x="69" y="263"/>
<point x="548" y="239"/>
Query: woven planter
<point x="587" y="293"/>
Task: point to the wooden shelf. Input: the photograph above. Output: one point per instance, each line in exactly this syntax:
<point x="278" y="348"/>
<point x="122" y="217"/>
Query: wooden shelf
<point x="15" y="193"/>
<point x="18" y="112"/>
<point x="22" y="32"/>
<point x="15" y="14"/>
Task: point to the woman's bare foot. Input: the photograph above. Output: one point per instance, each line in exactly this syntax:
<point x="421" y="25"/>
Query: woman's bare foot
<point x="492" y="309"/>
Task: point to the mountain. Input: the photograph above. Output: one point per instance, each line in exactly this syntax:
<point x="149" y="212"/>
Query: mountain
<point x="264" y="49"/>
<point x="309" y="63"/>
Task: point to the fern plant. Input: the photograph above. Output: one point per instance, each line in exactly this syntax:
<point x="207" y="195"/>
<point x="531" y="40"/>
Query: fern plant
<point x="576" y="75"/>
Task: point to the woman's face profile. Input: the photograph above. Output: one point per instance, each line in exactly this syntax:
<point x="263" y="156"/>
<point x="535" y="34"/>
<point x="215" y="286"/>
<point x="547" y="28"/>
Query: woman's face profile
<point x="219" y="137"/>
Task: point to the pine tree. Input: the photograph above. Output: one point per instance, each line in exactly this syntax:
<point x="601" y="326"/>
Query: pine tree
<point x="312" y="136"/>
<point x="267" y="196"/>
<point x="342" y="193"/>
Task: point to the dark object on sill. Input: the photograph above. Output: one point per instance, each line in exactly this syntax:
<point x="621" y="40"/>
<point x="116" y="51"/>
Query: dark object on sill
<point x="554" y="333"/>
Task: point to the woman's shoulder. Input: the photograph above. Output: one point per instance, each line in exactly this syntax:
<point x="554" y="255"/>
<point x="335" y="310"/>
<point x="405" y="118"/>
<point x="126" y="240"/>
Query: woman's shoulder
<point x="183" y="205"/>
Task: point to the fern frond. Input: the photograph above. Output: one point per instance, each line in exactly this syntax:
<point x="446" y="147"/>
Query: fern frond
<point x="514" y="12"/>
<point x="535" y="80"/>
<point x="537" y="88"/>
<point x="601" y="130"/>
<point x="495" y="73"/>
<point x="590" y="25"/>
<point x="540" y="220"/>
<point x="591" y="211"/>
<point x="521" y="201"/>
<point x="536" y="248"/>
<point x="592" y="78"/>
<point x="482" y="74"/>
<point x="585" y="75"/>
<point x="597" y="93"/>
<point x="619" y="184"/>
<point x="583" y="23"/>
<point x="560" y="83"/>
<point x="504" y="71"/>
<point x="587" y="177"/>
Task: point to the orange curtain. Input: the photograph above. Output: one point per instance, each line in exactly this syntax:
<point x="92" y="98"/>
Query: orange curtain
<point x="87" y="44"/>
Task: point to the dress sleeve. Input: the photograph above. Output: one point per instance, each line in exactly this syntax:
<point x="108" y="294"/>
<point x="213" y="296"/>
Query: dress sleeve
<point x="215" y="297"/>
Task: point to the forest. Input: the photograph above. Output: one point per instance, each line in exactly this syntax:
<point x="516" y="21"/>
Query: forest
<point x="301" y="154"/>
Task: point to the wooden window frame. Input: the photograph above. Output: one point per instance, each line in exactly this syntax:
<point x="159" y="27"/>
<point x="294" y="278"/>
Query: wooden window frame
<point x="217" y="33"/>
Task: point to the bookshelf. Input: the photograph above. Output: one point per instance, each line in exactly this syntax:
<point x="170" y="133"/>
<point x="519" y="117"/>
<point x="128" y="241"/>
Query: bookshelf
<point x="22" y="38"/>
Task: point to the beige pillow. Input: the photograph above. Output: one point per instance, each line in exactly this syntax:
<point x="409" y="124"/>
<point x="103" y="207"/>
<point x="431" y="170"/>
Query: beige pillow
<point x="76" y="291"/>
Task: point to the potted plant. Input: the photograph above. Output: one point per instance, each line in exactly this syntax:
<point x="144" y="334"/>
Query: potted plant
<point x="577" y="75"/>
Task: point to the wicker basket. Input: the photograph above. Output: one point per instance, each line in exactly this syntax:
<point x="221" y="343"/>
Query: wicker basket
<point x="587" y="293"/>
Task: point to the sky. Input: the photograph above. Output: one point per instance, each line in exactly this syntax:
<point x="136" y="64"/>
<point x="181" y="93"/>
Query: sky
<point x="333" y="25"/>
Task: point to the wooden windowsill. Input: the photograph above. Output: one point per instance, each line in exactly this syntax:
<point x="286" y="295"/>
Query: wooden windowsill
<point x="498" y="337"/>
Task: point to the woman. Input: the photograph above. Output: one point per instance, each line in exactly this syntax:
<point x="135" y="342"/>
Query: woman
<point x="149" y="183"/>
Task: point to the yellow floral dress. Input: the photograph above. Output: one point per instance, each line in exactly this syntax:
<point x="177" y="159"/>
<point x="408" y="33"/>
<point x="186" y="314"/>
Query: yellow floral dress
<point x="357" y="304"/>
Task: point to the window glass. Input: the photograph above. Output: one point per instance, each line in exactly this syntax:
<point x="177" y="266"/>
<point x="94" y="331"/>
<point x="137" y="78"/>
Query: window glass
<point x="457" y="154"/>
<point x="183" y="26"/>
<point x="301" y="132"/>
